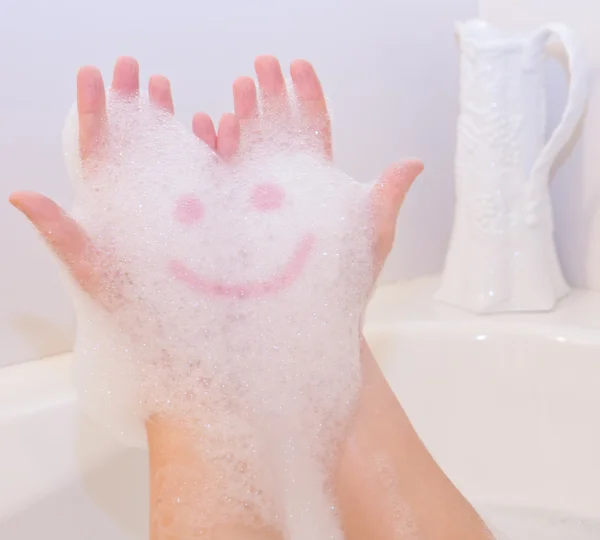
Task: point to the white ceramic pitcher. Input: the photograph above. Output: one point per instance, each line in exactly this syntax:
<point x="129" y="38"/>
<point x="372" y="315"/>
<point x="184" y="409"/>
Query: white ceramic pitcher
<point x="502" y="255"/>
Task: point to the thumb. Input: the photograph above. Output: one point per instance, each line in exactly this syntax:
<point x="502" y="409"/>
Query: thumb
<point x="388" y="196"/>
<point x="393" y="186"/>
<point x="61" y="232"/>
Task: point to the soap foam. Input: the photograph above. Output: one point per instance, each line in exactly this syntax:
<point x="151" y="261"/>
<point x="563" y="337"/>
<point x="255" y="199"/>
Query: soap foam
<point x="231" y="300"/>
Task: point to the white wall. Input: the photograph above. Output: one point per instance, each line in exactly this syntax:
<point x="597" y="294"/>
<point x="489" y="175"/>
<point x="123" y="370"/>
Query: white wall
<point x="389" y="68"/>
<point x="576" y="185"/>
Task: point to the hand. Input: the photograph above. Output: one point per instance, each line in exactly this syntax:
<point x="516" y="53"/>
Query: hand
<point x="70" y="242"/>
<point x="61" y="232"/>
<point x="394" y="183"/>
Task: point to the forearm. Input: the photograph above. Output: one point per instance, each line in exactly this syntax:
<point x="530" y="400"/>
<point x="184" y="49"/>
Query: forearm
<point x="388" y="485"/>
<point x="174" y="468"/>
<point x="183" y="484"/>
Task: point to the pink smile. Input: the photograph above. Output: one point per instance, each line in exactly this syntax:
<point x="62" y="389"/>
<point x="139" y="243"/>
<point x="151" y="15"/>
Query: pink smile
<point x="279" y="281"/>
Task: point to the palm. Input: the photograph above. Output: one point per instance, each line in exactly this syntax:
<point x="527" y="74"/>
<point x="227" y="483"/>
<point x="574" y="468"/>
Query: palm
<point x="69" y="241"/>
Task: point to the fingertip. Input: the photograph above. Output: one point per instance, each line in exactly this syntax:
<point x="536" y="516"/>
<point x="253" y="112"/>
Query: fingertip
<point x="244" y="84"/>
<point x="126" y="76"/>
<point x="302" y="71"/>
<point x="129" y="61"/>
<point x="88" y="71"/>
<point x="24" y="200"/>
<point x="228" y="121"/>
<point x="61" y="232"/>
<point x="265" y="61"/>
<point x="403" y="174"/>
<point x="415" y="165"/>
<point x="300" y="65"/>
<point x="90" y="90"/>
<point x="228" y="138"/>
<point x="159" y="90"/>
<point x="306" y="81"/>
<point x="394" y="184"/>
<point x="14" y="198"/>
<point x="245" y="97"/>
<point x="40" y="210"/>
<point x="409" y="166"/>
<point x="204" y="129"/>
<point x="270" y="77"/>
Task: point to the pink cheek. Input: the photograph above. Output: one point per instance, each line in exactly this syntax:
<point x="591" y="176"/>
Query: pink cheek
<point x="267" y="197"/>
<point x="188" y="210"/>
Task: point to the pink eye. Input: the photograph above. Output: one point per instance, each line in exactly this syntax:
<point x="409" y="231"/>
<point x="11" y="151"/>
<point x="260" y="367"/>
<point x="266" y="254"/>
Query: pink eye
<point x="267" y="197"/>
<point x="188" y="210"/>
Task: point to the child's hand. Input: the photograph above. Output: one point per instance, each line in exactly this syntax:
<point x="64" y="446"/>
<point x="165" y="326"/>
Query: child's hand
<point x="395" y="182"/>
<point x="68" y="240"/>
<point x="64" y="236"/>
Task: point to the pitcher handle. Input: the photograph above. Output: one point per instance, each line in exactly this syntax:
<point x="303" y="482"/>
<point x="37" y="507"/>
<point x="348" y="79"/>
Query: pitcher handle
<point x="576" y="99"/>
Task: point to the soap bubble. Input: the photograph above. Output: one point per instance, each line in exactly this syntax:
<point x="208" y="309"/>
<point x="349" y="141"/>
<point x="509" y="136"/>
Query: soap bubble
<point x="237" y="290"/>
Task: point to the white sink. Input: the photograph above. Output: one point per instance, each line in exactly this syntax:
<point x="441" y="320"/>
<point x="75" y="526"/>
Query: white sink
<point x="509" y="406"/>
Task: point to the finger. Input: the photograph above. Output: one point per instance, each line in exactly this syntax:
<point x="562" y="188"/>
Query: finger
<point x="245" y="102"/>
<point x="62" y="234"/>
<point x="91" y="110"/>
<point x="204" y="129"/>
<point x="271" y="83"/>
<point x="159" y="89"/>
<point x="228" y="138"/>
<point x="312" y="102"/>
<point x="392" y="188"/>
<point x="388" y="196"/>
<point x="126" y="76"/>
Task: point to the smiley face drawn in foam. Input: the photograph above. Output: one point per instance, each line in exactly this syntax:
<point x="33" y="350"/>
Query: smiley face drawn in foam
<point x="265" y="197"/>
<point x="275" y="222"/>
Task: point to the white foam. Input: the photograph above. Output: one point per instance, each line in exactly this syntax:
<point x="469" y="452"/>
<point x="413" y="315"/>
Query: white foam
<point x="232" y="297"/>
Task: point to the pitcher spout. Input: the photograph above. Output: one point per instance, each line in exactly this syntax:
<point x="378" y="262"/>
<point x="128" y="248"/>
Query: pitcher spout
<point x="482" y="33"/>
<point x="472" y="29"/>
